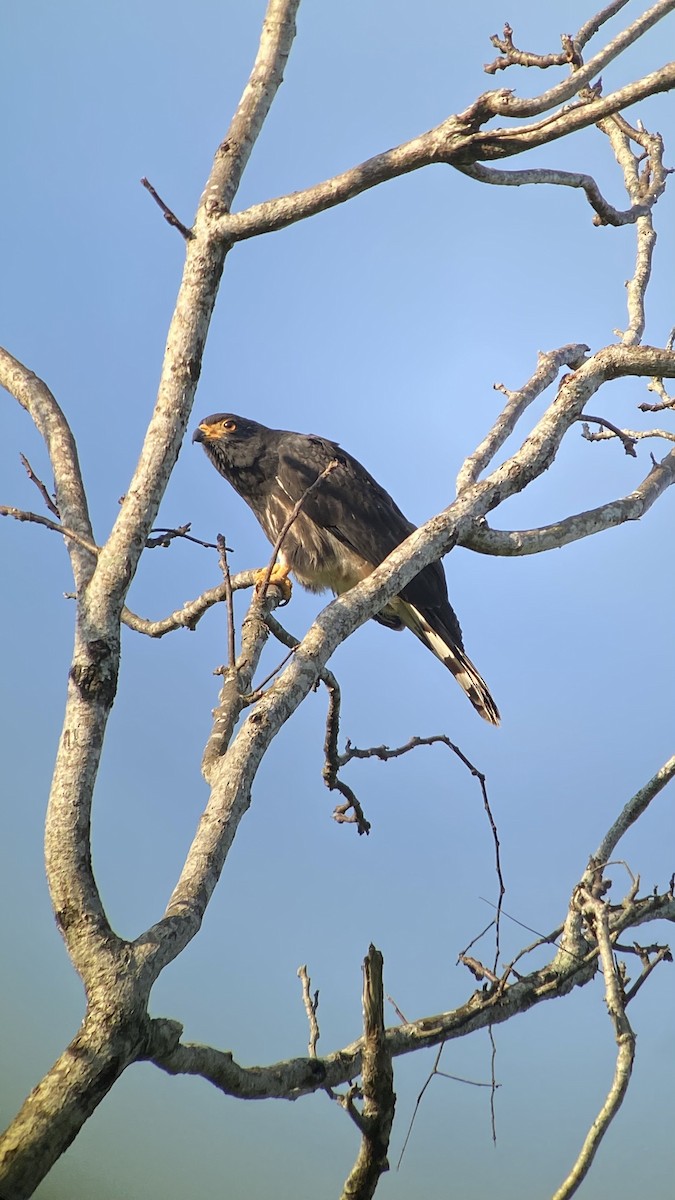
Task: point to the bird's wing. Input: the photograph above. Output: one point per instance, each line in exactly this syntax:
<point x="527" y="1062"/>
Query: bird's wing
<point x="350" y="504"/>
<point x="354" y="507"/>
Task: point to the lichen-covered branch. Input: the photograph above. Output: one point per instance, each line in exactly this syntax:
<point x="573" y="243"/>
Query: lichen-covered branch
<point x="377" y="1115"/>
<point x="548" y="366"/>
<point x="102" y="582"/>
<point x="460" y="141"/>
<point x="595" y="908"/>
<point x="190" y="613"/>
<point x="574" y="965"/>
<point x="34" y="395"/>
<point x="644" y="180"/>
<point x="509" y="543"/>
<point x="636" y="806"/>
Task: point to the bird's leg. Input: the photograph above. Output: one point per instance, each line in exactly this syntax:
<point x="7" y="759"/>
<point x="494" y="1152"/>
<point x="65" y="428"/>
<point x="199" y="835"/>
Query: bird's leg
<point x="278" y="576"/>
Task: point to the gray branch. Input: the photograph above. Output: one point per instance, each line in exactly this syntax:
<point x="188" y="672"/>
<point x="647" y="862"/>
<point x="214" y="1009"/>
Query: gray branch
<point x="105" y="962"/>
<point x="379" y="1101"/>
<point x="574" y="965"/>
<point x="598" y="911"/>
<point x="512" y="543"/>
<point x="34" y="395"/>
<point x="635" y="807"/>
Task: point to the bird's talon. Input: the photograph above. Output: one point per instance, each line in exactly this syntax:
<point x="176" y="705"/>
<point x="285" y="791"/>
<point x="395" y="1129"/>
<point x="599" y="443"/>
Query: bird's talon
<point x="278" y="577"/>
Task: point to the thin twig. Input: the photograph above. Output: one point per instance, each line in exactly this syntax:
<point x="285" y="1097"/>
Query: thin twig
<point x="628" y="442"/>
<point x="168" y="215"/>
<point x="311" y="1005"/>
<point x="384" y="753"/>
<point x="331" y="765"/>
<point x="493" y="1084"/>
<point x="663" y="954"/>
<point x="443" y="1075"/>
<point x="634" y="435"/>
<point x="21" y="514"/>
<point x="260" y="687"/>
<point x="634" y="809"/>
<point x="166" y="536"/>
<point x="229" y="605"/>
<point x="40" y="487"/>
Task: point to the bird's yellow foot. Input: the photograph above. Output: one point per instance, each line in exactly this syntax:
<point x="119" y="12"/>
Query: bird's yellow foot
<point x="279" y="578"/>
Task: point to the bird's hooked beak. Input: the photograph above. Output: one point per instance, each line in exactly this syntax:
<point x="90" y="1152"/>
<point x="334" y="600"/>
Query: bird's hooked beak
<point x="204" y="433"/>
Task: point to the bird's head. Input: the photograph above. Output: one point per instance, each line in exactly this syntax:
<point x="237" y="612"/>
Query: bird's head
<point x="230" y="441"/>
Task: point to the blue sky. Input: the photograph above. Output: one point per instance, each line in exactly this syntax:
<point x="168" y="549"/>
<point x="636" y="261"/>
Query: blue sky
<point x="383" y="324"/>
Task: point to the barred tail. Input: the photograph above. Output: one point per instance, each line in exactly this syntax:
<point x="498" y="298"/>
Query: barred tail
<point x="455" y="660"/>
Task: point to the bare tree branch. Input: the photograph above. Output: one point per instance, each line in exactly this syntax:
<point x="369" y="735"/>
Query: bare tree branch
<point x="548" y="366"/>
<point x="169" y="216"/>
<point x="101" y="959"/>
<point x="591" y="27"/>
<point x="333" y="762"/>
<point x="311" y="1005"/>
<point x="622" y="434"/>
<point x="189" y="615"/>
<point x="582" y="77"/>
<point x="20" y="514"/>
<point x="599" y="911"/>
<point x="379" y="1101"/>
<point x="34" y="395"/>
<point x="40" y="486"/>
<point x="635" y="807"/>
<point x="459" y="141"/>
<point x="573" y="966"/>
<point x="627" y="436"/>
<point x="643" y="187"/>
<point x="485" y="540"/>
<point x="525" y="58"/>
<point x="607" y="214"/>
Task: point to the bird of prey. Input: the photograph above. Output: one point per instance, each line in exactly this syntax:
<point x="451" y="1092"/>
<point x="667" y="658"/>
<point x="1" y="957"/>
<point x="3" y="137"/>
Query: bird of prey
<point x="346" y="527"/>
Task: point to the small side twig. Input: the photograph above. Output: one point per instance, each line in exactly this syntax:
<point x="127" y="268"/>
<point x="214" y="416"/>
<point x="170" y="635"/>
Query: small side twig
<point x="169" y="216"/>
<point x="332" y="763"/>
<point x="341" y="813"/>
<point x="311" y="1003"/>
<point x="21" y="514"/>
<point x="40" y="487"/>
<point x="229" y="605"/>
<point x="512" y="56"/>
<point x="167" y="536"/>
<point x="624" y="437"/>
<point x="443" y="1075"/>
<point x="661" y="954"/>
<point x="384" y="753"/>
<point x="656" y="385"/>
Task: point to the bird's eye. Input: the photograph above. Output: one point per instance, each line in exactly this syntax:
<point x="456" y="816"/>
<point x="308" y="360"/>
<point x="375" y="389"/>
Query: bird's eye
<point x="229" y="426"/>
